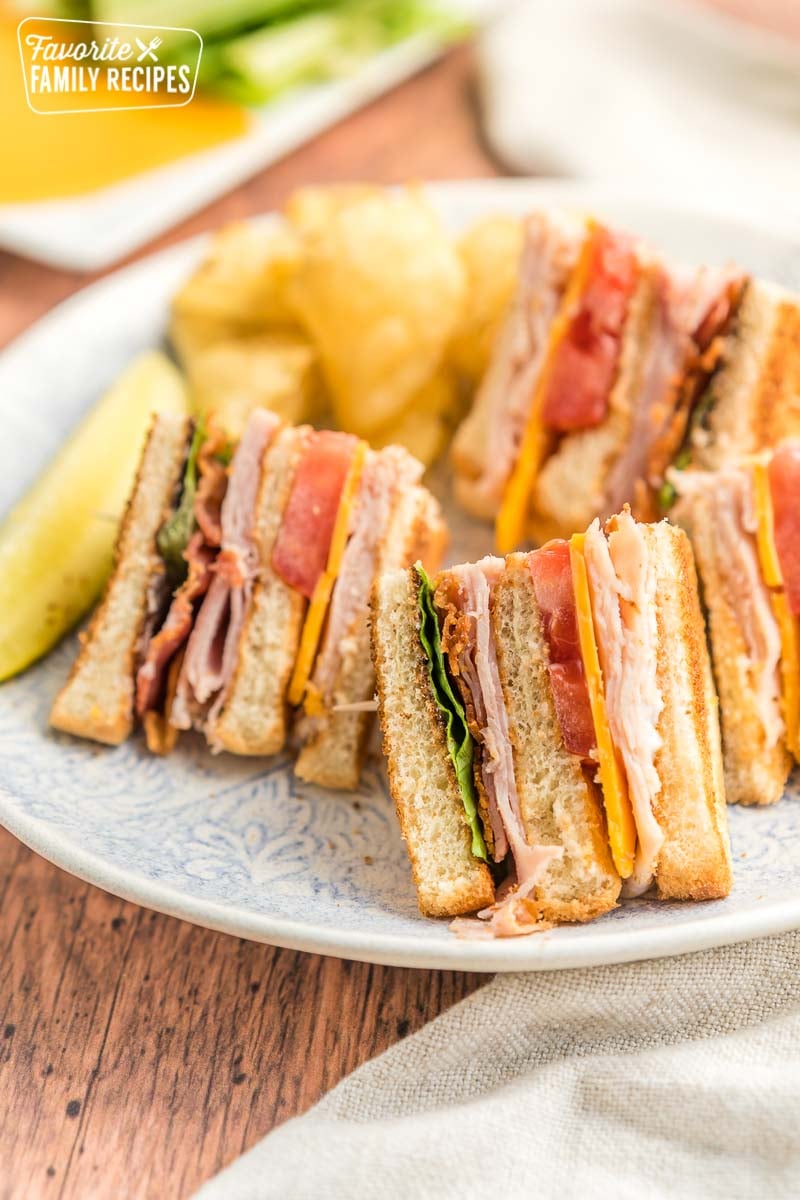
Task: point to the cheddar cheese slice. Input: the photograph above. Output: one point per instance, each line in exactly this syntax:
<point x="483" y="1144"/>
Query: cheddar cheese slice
<point x="619" y="813"/>
<point x="788" y="625"/>
<point x="318" y="606"/>
<point x="767" y="553"/>
<point x="512" y="521"/>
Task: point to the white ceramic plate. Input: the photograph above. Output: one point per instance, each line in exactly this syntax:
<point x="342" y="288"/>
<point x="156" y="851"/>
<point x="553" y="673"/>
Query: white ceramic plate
<point x="238" y="844"/>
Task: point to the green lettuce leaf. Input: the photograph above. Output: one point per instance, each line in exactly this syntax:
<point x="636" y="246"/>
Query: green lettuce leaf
<point x="314" y="41"/>
<point x="173" y="536"/>
<point x="459" y="739"/>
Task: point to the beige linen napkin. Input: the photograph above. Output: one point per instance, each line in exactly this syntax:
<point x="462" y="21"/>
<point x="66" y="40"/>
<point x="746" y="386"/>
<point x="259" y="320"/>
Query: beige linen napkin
<point x="671" y="1078"/>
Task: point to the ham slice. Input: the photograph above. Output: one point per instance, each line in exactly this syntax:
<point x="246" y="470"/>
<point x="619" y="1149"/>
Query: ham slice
<point x="212" y="648"/>
<point x="504" y="399"/>
<point x="212" y="484"/>
<point x="622" y="584"/>
<point x="497" y="765"/>
<point x="729" y="493"/>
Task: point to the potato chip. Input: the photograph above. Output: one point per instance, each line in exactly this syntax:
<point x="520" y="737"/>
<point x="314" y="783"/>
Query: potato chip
<point x="379" y="292"/>
<point x="309" y="209"/>
<point x="278" y="371"/>
<point x="241" y="284"/>
<point x="490" y="252"/>
<point x="427" y="424"/>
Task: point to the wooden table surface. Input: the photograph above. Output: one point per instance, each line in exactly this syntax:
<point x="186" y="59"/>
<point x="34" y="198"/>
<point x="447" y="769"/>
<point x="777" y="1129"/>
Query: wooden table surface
<point x="139" y="1054"/>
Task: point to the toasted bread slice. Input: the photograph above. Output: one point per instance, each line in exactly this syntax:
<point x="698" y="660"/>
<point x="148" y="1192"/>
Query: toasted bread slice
<point x="571" y="487"/>
<point x="756" y="390"/>
<point x="694" y="862"/>
<point x="333" y="744"/>
<point x="97" y="700"/>
<point x="560" y="803"/>
<point x="254" y="716"/>
<point x="449" y="879"/>
<point x="756" y="763"/>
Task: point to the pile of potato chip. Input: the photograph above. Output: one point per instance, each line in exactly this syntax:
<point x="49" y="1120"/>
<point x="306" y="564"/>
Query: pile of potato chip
<point x="357" y="309"/>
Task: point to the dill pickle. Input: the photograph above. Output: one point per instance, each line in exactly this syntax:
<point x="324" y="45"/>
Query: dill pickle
<point x="56" y="544"/>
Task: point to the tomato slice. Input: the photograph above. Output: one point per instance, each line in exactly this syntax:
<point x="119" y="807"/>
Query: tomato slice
<point x="784" y="483"/>
<point x="584" y="364"/>
<point x="571" y="698"/>
<point x="303" y="543"/>
<point x="551" y="572"/>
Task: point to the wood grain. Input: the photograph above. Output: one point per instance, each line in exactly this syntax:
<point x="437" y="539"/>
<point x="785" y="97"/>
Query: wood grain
<point x="139" y="1054"/>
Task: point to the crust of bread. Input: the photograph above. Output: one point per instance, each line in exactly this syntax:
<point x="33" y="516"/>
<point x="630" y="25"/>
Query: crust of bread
<point x="757" y="388"/>
<point x="694" y="862"/>
<point x="571" y="487"/>
<point x="333" y="754"/>
<point x="97" y="700"/>
<point x="755" y="772"/>
<point x="254" y="718"/>
<point x="422" y="780"/>
<point x="560" y="804"/>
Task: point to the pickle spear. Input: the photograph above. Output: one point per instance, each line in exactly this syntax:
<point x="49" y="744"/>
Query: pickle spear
<point x="56" y="544"/>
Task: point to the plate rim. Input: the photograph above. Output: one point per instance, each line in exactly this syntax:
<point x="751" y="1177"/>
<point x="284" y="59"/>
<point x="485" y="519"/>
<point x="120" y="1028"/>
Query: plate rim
<point x="538" y="952"/>
<point x="543" y="951"/>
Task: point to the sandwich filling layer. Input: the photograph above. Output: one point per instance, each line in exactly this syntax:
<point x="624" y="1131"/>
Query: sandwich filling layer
<point x="459" y="740"/>
<point x="385" y="476"/>
<point x="464" y="599"/>
<point x="622" y="582"/>
<point x="716" y="301"/>
<point x="783" y="472"/>
<point x="504" y="402"/>
<point x="665" y="351"/>
<point x="211" y="651"/>
<point x="730" y="498"/>
<point x="573" y="386"/>
<point x="551" y="573"/>
<point x="188" y="543"/>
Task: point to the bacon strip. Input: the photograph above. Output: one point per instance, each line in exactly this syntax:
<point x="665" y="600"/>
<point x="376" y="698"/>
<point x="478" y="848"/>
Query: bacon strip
<point x="211" y="486"/>
<point x="162" y="647"/>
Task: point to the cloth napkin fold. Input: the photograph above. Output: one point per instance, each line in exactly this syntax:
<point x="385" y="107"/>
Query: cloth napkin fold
<point x="670" y="1078"/>
<point x="664" y="96"/>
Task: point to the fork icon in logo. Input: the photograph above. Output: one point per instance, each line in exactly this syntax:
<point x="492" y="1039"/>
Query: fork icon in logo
<point x="148" y="50"/>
